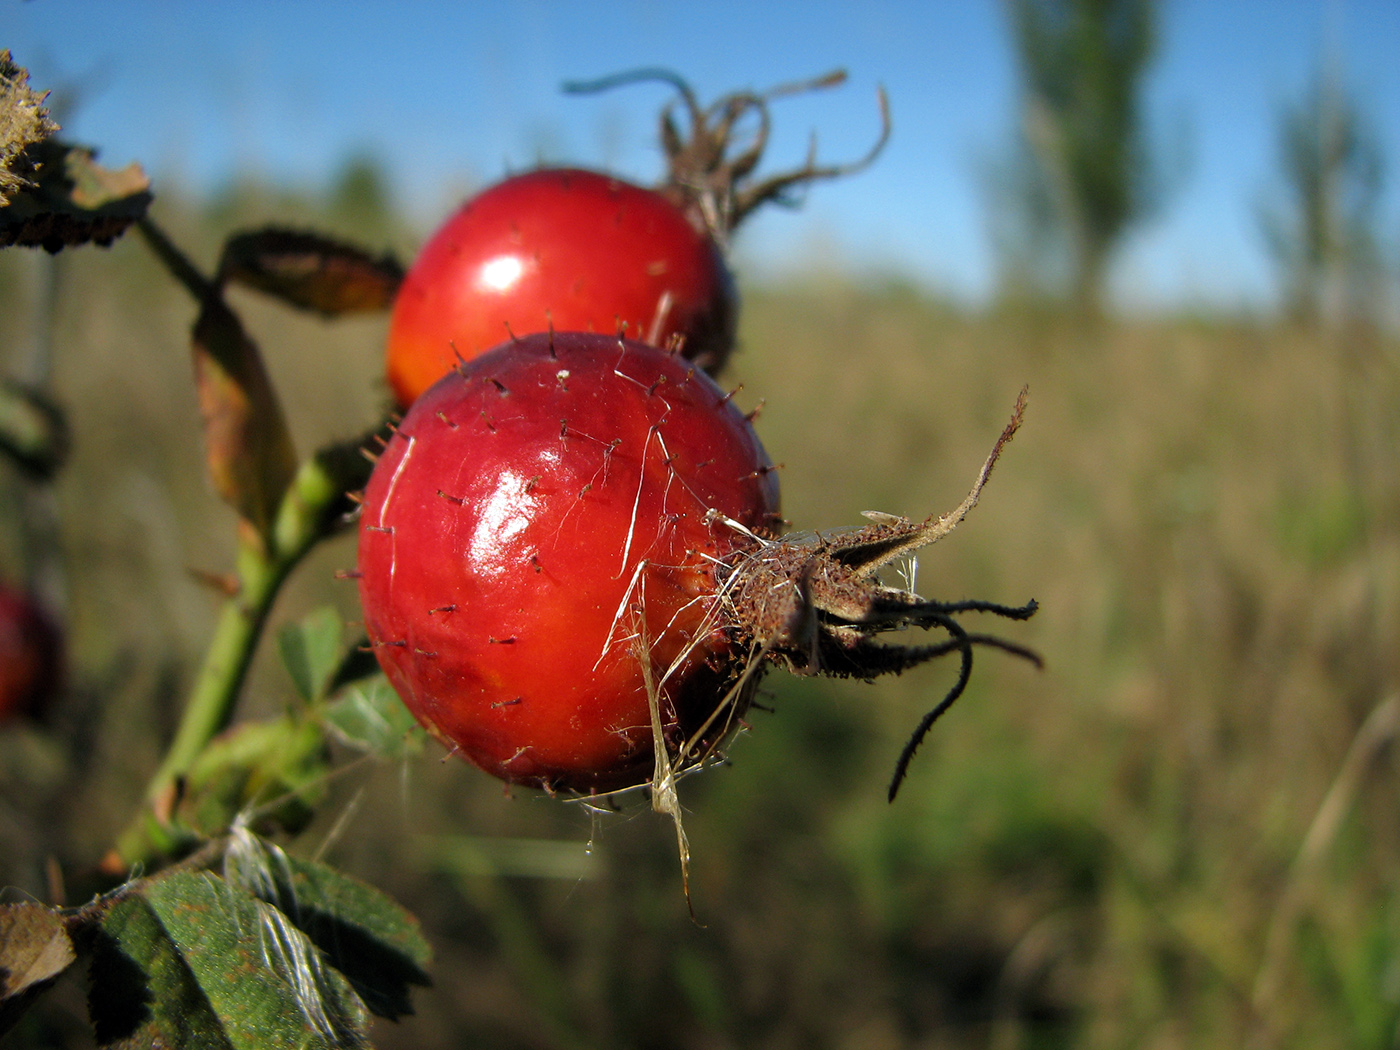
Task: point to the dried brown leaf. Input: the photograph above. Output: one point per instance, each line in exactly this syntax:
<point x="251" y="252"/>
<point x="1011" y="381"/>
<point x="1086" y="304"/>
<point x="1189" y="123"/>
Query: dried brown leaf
<point x="312" y="272"/>
<point x="73" y="200"/>
<point x="34" y="949"/>
<point x="249" y="448"/>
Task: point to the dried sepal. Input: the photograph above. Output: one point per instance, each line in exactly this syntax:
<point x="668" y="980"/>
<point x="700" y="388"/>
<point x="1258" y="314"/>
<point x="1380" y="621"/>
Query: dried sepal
<point x="814" y="604"/>
<point x="710" y="174"/>
<point x="24" y="122"/>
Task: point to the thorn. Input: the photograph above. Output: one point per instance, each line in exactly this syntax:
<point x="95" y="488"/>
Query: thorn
<point x="451" y="499"/>
<point x="756" y="410"/>
<point x="501" y="641"/>
<point x="443" y="609"/>
<point x="489" y="424"/>
<point x="380" y="440"/>
<point x="762" y="472"/>
<point x="348" y="574"/>
<point x="369" y="455"/>
<point x="500" y="387"/>
<point x="508" y="703"/>
<point x="510" y="332"/>
<point x="388" y="530"/>
<point x="731" y="394"/>
<point x="380" y="645"/>
<point x="461" y="361"/>
<point x="356" y="496"/>
<point x="536" y="563"/>
<point x="530" y="485"/>
<point x="226" y="584"/>
<point x="424" y="652"/>
<point x="444" y="418"/>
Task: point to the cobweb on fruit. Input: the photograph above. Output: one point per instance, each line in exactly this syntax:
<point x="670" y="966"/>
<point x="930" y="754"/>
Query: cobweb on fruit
<point x="702" y="747"/>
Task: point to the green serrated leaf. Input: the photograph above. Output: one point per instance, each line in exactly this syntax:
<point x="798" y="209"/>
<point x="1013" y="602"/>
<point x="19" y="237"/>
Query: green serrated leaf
<point x="269" y="772"/>
<point x="34" y="950"/>
<point x="368" y="937"/>
<point x="311" y="651"/>
<point x="311" y="272"/>
<point x="357" y="664"/>
<point x="370" y="717"/>
<point x="188" y="962"/>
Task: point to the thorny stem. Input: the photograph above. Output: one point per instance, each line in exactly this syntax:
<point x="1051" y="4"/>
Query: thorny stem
<point x="305" y="516"/>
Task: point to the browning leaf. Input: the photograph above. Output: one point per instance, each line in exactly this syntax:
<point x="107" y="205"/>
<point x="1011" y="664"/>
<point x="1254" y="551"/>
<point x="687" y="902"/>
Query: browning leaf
<point x="73" y="200"/>
<point x="34" y="950"/>
<point x="249" y="448"/>
<point x="311" y="272"/>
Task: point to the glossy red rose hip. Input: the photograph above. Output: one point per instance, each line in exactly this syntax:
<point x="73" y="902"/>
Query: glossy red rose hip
<point x="563" y="248"/>
<point x="536" y="542"/>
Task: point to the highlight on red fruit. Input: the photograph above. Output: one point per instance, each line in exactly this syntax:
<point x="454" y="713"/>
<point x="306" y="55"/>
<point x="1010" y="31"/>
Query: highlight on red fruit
<point x="567" y="249"/>
<point x="31" y="659"/>
<point x="539" y="544"/>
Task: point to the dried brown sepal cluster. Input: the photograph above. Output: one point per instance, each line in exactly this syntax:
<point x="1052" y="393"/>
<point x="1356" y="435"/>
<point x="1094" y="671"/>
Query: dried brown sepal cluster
<point x="816" y="605"/>
<point x="708" y="174"/>
<point x="24" y="122"/>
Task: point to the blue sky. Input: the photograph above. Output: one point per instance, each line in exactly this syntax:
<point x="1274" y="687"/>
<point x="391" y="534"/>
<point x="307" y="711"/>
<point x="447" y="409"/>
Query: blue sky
<point x="453" y="94"/>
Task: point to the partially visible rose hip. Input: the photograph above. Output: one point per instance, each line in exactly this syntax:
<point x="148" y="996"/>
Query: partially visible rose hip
<point x="570" y="542"/>
<point x="31" y="655"/>
<point x="577" y="250"/>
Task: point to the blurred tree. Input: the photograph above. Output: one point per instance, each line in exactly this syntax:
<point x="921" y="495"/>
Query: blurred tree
<point x="360" y="192"/>
<point x="1321" y="234"/>
<point x="1081" y="174"/>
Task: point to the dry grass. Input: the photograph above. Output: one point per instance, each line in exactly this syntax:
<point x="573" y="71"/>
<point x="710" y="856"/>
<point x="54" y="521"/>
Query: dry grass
<point x="1209" y="514"/>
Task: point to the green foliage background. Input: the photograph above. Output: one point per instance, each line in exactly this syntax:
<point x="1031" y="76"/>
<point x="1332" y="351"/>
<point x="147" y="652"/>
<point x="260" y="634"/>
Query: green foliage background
<point x="1207" y="509"/>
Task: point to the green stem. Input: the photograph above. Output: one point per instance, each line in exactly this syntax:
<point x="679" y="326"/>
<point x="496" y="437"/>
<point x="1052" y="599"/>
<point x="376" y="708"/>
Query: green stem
<point x="307" y="513"/>
<point x="176" y="261"/>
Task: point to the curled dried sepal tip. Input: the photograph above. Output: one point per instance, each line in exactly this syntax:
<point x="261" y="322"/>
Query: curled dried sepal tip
<point x="706" y="172"/>
<point x="814" y="604"/>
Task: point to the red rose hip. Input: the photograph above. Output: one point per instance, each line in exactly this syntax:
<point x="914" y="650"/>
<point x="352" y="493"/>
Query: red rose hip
<point x="562" y="248"/>
<point x="537" y="545"/>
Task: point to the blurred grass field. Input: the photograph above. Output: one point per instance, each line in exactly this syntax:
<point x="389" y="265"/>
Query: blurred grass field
<point x="1103" y="854"/>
